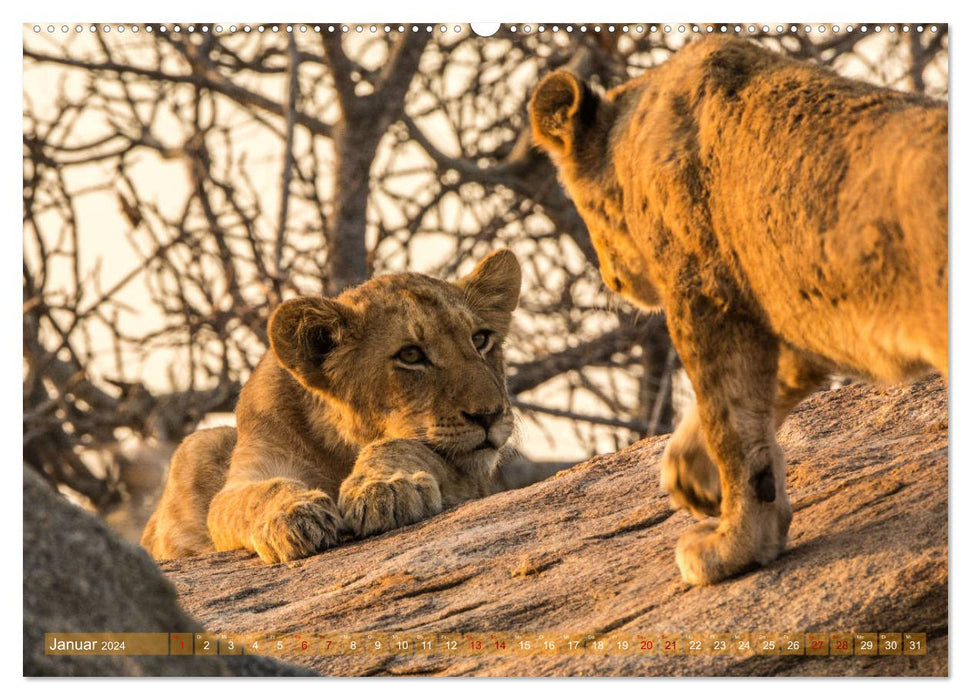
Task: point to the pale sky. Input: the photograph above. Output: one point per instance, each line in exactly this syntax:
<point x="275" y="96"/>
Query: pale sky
<point x="102" y="227"/>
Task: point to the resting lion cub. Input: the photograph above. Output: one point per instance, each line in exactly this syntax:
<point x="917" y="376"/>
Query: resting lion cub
<point x="791" y="222"/>
<point x="372" y="410"/>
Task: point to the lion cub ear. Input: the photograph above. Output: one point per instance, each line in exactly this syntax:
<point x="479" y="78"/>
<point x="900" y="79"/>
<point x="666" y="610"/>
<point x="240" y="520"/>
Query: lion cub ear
<point x="559" y="103"/>
<point x="303" y="332"/>
<point x="492" y="288"/>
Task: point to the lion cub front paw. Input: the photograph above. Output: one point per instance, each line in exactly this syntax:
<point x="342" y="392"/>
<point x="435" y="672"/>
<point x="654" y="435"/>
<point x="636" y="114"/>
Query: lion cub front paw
<point x="305" y="526"/>
<point x="373" y="504"/>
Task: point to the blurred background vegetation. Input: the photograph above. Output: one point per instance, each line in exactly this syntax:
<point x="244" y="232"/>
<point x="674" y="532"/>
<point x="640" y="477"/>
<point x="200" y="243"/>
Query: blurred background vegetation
<point x="180" y="181"/>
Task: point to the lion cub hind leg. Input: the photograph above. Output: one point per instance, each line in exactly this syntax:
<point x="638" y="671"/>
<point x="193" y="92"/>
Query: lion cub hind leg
<point x="197" y="471"/>
<point x="279" y="519"/>
<point x="733" y="362"/>
<point x="394" y="483"/>
<point x="688" y="474"/>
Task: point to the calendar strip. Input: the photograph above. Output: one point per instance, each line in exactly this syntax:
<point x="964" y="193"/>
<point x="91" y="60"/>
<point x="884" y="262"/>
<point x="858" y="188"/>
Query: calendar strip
<point x="647" y="644"/>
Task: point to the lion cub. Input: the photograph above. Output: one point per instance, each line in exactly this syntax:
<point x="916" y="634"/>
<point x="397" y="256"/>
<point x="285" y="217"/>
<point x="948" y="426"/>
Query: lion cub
<point x="371" y="411"/>
<point x="791" y="223"/>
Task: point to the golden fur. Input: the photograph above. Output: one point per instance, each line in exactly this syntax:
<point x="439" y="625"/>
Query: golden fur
<point x="371" y="411"/>
<point x="791" y="222"/>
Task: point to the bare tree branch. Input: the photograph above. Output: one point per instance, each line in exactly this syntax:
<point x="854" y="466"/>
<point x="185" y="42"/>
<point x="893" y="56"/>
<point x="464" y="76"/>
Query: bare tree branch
<point x="177" y="186"/>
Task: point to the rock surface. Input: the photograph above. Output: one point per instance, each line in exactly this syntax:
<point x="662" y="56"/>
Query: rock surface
<point x="79" y="576"/>
<point x="592" y="551"/>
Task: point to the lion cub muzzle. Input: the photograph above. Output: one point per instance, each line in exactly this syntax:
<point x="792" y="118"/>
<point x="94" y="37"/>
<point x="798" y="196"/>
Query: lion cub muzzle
<point x="493" y="439"/>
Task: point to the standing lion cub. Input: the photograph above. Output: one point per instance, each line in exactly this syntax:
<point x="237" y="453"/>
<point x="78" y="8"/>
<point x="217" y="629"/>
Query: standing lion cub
<point x="373" y="410"/>
<point x="791" y="222"/>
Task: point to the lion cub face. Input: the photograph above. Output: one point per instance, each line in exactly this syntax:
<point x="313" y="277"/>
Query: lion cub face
<point x="434" y="348"/>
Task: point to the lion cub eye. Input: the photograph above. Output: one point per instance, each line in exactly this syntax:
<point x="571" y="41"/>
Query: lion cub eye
<point x="482" y="340"/>
<point x="411" y="355"/>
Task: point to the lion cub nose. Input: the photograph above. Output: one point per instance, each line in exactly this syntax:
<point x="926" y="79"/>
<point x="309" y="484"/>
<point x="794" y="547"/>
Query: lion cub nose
<point x="486" y="419"/>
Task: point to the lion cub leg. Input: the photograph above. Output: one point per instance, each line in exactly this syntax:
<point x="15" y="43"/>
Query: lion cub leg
<point x="733" y="362"/>
<point x="393" y="483"/>
<point x="280" y="519"/>
<point x="688" y="474"/>
<point x="197" y="471"/>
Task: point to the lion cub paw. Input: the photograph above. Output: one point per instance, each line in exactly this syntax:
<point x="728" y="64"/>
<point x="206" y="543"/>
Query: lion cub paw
<point x="305" y="526"/>
<point x="711" y="551"/>
<point x="374" y="504"/>
<point x="688" y="474"/>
